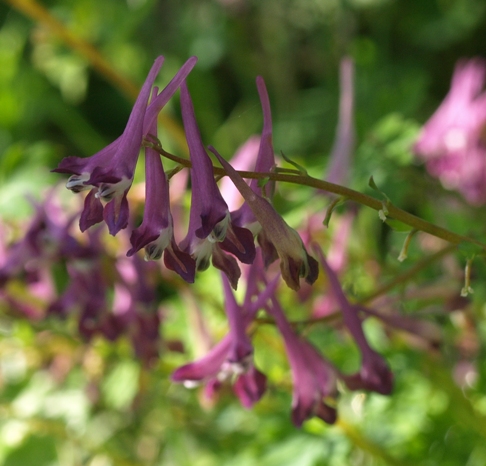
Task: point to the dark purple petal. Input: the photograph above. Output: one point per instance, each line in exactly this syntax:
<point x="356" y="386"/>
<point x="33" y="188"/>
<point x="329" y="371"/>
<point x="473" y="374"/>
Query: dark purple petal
<point x="159" y="101"/>
<point x="78" y="165"/>
<point x="116" y="214"/>
<point x="207" y="205"/>
<point x="228" y="265"/>
<point x="157" y="220"/>
<point x="327" y="413"/>
<point x="92" y="212"/>
<point x="180" y="262"/>
<point x="250" y="387"/>
<point x="140" y="237"/>
<point x="239" y="242"/>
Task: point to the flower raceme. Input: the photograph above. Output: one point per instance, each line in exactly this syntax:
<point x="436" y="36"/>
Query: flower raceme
<point x="214" y="234"/>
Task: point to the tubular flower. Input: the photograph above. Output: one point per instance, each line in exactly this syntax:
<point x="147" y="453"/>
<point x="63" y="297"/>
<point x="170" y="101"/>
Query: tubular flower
<point x="134" y="311"/>
<point x="109" y="173"/>
<point x="452" y="142"/>
<point x="295" y="262"/>
<point x="209" y="221"/>
<point x="265" y="162"/>
<point x="340" y="160"/>
<point x="156" y="233"/>
<point x="232" y="357"/>
<point x="314" y="378"/>
<point x="374" y="373"/>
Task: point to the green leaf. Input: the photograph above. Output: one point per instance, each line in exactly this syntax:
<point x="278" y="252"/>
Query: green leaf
<point x="301" y="169"/>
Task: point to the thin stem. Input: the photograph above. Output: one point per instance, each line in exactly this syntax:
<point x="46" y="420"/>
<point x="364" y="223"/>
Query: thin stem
<point x="397" y="280"/>
<point x="305" y="180"/>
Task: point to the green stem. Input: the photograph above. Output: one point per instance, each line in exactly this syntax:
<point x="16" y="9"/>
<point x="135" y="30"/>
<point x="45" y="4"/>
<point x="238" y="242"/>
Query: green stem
<point x="305" y="180"/>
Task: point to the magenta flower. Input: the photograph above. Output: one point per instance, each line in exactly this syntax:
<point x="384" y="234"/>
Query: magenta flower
<point x="340" y="160"/>
<point x="209" y="221"/>
<point x="232" y="357"/>
<point x="374" y="373"/>
<point x="265" y="162"/>
<point x="47" y="240"/>
<point x="295" y="262"/>
<point x="109" y="173"/>
<point x="452" y="141"/>
<point x="314" y="379"/>
<point x="156" y="233"/>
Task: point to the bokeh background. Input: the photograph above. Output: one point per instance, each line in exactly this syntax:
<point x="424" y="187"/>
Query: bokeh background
<point x="69" y="73"/>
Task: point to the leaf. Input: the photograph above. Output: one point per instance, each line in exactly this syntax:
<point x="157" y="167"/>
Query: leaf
<point x="301" y="169"/>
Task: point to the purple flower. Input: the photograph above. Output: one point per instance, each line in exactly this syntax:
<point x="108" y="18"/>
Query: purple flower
<point x="374" y="373"/>
<point x="209" y="221"/>
<point x="265" y="162"/>
<point x="340" y="160"/>
<point x="47" y="239"/>
<point x="156" y="233"/>
<point x="314" y="379"/>
<point x="109" y="172"/>
<point x="295" y="262"/>
<point x="232" y="357"/>
<point x="452" y="142"/>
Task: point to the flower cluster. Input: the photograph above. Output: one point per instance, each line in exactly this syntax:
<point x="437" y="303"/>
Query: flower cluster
<point x="50" y="255"/>
<point x="453" y="141"/>
<point x="251" y="237"/>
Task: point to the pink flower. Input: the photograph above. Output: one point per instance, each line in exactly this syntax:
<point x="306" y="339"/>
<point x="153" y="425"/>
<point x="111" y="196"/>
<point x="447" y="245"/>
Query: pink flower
<point x="452" y="142"/>
<point x="314" y="378"/>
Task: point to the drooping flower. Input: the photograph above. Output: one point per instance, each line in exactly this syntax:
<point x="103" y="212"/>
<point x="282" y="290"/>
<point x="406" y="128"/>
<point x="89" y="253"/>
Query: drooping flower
<point x="314" y="379"/>
<point x="265" y="162"/>
<point x="47" y="240"/>
<point x="232" y="357"/>
<point x="453" y="142"/>
<point x="295" y="262"/>
<point x="134" y="310"/>
<point x="374" y="373"/>
<point x="156" y="233"/>
<point x="109" y="173"/>
<point x="209" y="221"/>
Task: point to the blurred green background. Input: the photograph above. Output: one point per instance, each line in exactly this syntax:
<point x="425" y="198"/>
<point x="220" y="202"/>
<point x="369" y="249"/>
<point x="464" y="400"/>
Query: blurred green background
<point x="69" y="72"/>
